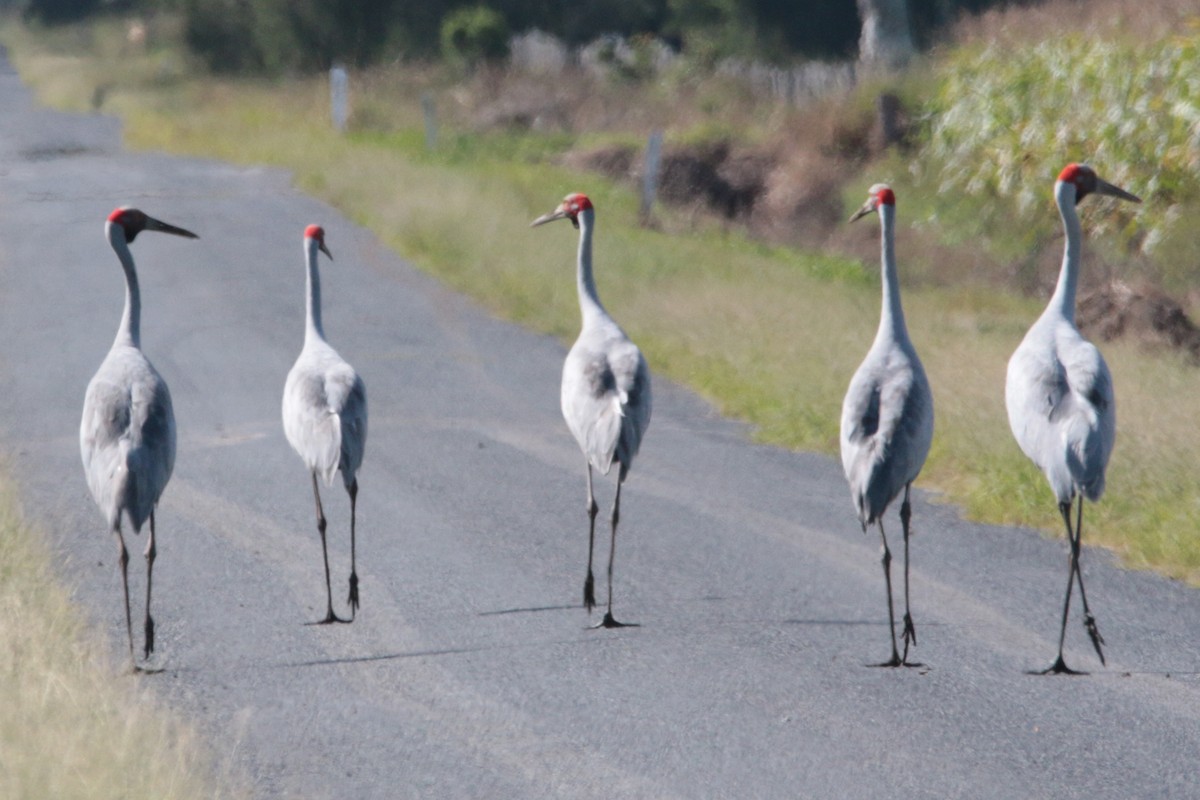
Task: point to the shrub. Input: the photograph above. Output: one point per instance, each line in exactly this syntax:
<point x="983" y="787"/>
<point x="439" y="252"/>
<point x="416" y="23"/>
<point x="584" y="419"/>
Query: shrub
<point x="474" y="35"/>
<point x="54" y="12"/>
<point x="221" y="33"/>
<point x="1005" y="121"/>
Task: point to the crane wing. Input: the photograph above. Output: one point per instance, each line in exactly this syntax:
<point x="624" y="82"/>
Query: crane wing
<point x="353" y="419"/>
<point x="887" y="426"/>
<point x="127" y="437"/>
<point x="1061" y="409"/>
<point x="325" y="412"/>
<point x="606" y="401"/>
<point x="1087" y="416"/>
<point x="632" y="377"/>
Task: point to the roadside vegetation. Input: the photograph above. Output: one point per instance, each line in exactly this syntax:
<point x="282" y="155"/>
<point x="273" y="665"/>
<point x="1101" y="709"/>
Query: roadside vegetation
<point x="71" y="724"/>
<point x="769" y="331"/>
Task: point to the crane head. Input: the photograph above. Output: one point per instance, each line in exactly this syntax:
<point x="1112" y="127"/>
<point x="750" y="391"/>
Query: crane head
<point x="878" y="195"/>
<point x="570" y="208"/>
<point x="1085" y="180"/>
<point x="133" y="222"/>
<point x="317" y="234"/>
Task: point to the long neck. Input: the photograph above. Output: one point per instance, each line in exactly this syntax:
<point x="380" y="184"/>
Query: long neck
<point x="891" y="316"/>
<point x="589" y="301"/>
<point x="312" y="307"/>
<point x="1063" y="299"/>
<point x="129" y="332"/>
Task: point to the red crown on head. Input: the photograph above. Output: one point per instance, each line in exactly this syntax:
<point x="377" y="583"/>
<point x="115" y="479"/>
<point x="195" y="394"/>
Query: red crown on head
<point x="576" y="203"/>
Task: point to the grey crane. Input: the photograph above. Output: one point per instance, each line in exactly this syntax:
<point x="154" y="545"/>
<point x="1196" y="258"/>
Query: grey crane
<point x="325" y="414"/>
<point x="605" y="390"/>
<point x="1059" y="395"/>
<point x="887" y="418"/>
<point x="127" y="434"/>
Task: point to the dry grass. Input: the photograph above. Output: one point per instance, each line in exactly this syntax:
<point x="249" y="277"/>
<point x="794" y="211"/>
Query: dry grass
<point x="1025" y="24"/>
<point x="72" y="723"/>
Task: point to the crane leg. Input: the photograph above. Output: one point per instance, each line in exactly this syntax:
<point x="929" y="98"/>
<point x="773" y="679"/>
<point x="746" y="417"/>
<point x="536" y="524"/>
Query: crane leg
<point x="1089" y="622"/>
<point x="1059" y="667"/>
<point x="151" y="553"/>
<point x="910" y="632"/>
<point x="589" y="585"/>
<point x="609" y="621"/>
<point x="886" y="560"/>
<point x="123" y="562"/>
<point x="329" y="615"/>
<point x="353" y="598"/>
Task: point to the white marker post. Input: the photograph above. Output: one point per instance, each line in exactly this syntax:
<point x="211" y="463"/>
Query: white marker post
<point x="338" y="96"/>
<point x="650" y="175"/>
<point x="429" y="110"/>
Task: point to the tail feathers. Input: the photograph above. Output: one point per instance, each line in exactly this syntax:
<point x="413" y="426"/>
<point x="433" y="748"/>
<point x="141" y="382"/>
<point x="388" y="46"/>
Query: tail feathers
<point x="1085" y="456"/>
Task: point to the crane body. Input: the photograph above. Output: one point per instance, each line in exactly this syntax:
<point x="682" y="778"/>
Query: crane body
<point x="325" y="415"/>
<point x="887" y="418"/>
<point x="606" y="398"/>
<point x="127" y="431"/>
<point x="1059" y="395"/>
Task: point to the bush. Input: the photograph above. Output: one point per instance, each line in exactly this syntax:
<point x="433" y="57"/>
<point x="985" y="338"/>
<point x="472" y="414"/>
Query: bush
<point x="1005" y="121"/>
<point x="221" y="33"/>
<point x="54" y="12"/>
<point x="474" y="35"/>
<point x="286" y="35"/>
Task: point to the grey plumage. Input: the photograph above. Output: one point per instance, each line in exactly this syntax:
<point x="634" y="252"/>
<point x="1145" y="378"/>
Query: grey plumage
<point x="325" y="415"/>
<point x="606" y="399"/>
<point x="1059" y="394"/>
<point x="887" y="416"/>
<point x="127" y="432"/>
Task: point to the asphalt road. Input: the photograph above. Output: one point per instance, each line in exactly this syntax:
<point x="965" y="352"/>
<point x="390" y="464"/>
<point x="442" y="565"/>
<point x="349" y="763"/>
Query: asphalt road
<point x="470" y="672"/>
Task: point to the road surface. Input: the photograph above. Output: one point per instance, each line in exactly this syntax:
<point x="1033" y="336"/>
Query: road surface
<point x="470" y="672"/>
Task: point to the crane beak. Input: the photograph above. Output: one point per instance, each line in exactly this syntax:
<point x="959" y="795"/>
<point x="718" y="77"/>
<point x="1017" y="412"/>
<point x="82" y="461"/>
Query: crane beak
<point x="153" y="224"/>
<point x="325" y="250"/>
<point x="1104" y="187"/>
<point x="867" y="208"/>
<point x="557" y="213"/>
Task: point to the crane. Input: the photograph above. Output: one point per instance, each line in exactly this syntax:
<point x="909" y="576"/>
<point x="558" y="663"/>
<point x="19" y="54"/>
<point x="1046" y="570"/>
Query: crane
<point x="1059" y="395"/>
<point x="605" y="390"/>
<point x="127" y="434"/>
<point x="887" y="417"/>
<point x="325" y="414"/>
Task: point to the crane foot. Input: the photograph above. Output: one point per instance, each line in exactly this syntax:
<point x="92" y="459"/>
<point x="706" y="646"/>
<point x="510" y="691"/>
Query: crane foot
<point x="910" y="633"/>
<point x="589" y="593"/>
<point x="897" y="661"/>
<point x="330" y="617"/>
<point x="1089" y="622"/>
<point x="149" y="648"/>
<point x="1059" y="667"/>
<point x="610" y="622"/>
<point x="353" y="598"/>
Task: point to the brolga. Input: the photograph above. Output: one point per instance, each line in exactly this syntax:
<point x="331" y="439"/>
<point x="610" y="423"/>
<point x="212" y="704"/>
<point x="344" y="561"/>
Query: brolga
<point x="1059" y="395"/>
<point x="325" y="415"/>
<point x="127" y="435"/>
<point x="605" y="391"/>
<point x="887" y="418"/>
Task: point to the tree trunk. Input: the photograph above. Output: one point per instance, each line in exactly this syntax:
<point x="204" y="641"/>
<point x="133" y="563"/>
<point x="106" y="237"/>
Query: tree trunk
<point x="886" y="41"/>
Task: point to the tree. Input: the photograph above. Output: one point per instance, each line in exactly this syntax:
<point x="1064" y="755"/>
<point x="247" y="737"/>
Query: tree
<point x="54" y="12"/>
<point x="886" y="41"/>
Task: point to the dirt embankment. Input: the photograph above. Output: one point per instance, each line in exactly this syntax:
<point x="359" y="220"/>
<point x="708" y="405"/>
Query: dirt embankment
<point x="790" y="192"/>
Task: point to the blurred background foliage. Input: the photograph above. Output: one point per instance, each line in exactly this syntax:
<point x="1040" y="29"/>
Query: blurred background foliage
<point x="270" y="36"/>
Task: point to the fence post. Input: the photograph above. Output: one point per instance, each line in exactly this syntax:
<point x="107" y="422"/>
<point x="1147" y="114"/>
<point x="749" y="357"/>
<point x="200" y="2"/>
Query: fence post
<point x="338" y="101"/>
<point x="429" y="111"/>
<point x="650" y="175"/>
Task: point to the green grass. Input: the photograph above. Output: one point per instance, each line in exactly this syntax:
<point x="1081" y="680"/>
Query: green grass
<point x="769" y="335"/>
<point x="72" y="723"/>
